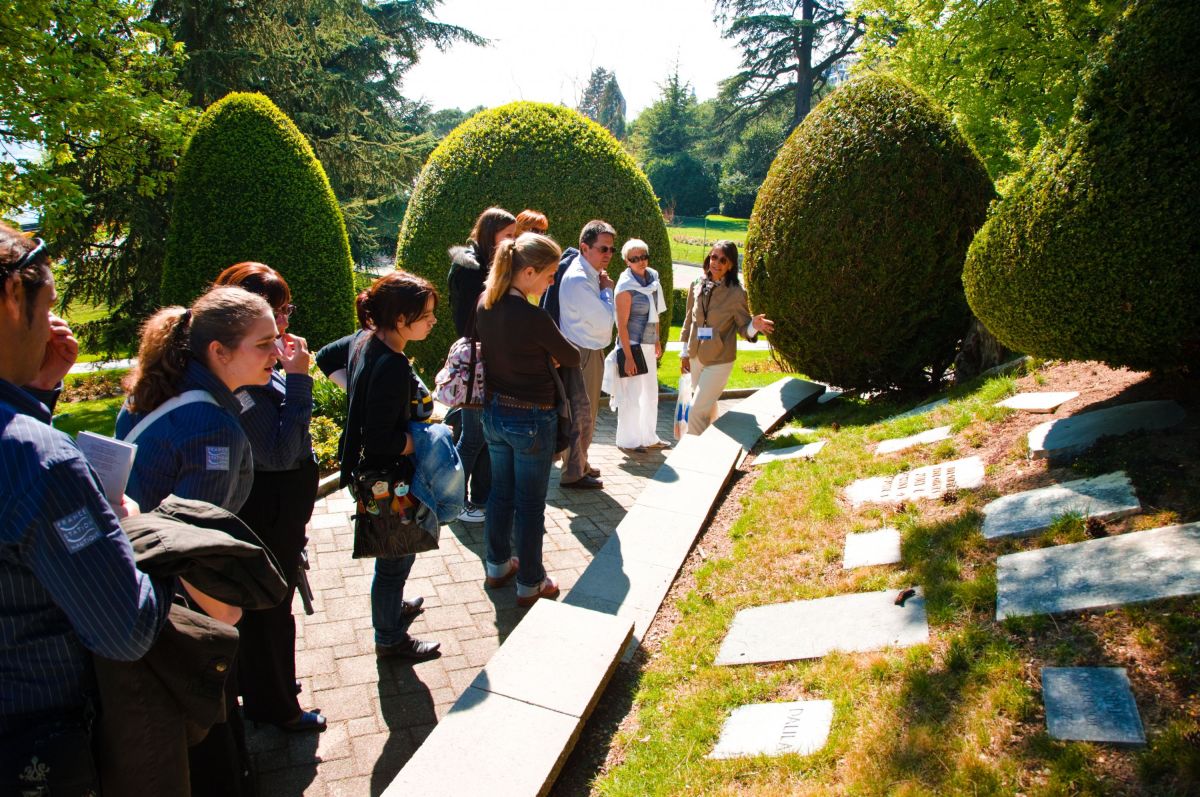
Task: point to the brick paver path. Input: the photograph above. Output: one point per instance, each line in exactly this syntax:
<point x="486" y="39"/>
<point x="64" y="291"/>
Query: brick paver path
<point x="380" y="711"/>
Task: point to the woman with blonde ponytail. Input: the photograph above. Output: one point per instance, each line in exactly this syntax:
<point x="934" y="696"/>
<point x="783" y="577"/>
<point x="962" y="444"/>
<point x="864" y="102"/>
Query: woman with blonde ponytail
<point x="520" y="345"/>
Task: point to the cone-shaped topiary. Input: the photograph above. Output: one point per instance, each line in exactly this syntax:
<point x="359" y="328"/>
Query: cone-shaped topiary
<point x="250" y="188"/>
<point x="856" y="244"/>
<point x="524" y="155"/>
<point x="1096" y="253"/>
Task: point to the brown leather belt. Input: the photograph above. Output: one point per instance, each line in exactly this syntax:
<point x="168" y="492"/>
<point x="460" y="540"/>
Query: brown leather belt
<point x="516" y="403"/>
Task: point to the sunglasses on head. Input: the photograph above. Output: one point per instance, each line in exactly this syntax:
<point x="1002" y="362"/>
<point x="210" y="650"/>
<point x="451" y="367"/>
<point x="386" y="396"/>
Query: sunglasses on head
<point x="39" y="246"/>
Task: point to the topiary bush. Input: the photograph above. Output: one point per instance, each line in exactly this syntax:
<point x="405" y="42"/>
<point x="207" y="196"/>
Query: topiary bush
<point x="250" y="188"/>
<point x="856" y="243"/>
<point x="1095" y="254"/>
<point x="524" y="155"/>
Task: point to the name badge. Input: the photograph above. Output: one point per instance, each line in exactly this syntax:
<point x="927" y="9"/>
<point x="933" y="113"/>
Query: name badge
<point x="705" y="333"/>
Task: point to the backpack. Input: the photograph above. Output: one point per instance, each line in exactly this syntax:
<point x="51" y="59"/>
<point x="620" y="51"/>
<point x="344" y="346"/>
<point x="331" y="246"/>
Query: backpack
<point x="460" y="382"/>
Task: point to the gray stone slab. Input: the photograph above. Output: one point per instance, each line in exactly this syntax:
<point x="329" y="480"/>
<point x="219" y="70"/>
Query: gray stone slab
<point x="1100" y="574"/>
<point x="931" y="481"/>
<point x="688" y="492"/>
<point x="1038" y="402"/>
<point x="653" y="535"/>
<point x="1107" y="496"/>
<point x="474" y="748"/>
<point x="1068" y="436"/>
<point x="828" y="396"/>
<point x="879" y="547"/>
<point x="753" y="416"/>
<point x="700" y="453"/>
<point x="558" y="657"/>
<point x="1091" y="704"/>
<point x="810" y="629"/>
<point x="625" y="581"/>
<point x="775" y="729"/>
<point x="641" y="617"/>
<point x="923" y="438"/>
<point x="806" y="451"/>
<point x="921" y="410"/>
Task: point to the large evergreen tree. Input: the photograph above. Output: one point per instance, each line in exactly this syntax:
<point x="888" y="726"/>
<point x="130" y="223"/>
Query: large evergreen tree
<point x="603" y="102"/>
<point x="789" y="48"/>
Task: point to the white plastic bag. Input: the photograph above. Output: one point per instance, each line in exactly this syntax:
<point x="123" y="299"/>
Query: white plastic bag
<point x="683" y="405"/>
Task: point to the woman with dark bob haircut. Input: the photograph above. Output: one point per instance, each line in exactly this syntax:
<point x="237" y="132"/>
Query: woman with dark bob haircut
<point x="275" y="417"/>
<point x="717" y="312"/>
<point x="388" y="427"/>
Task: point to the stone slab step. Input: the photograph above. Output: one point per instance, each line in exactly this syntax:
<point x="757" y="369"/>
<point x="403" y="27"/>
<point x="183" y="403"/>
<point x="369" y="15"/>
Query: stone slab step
<point x="1045" y="401"/>
<point x="921" y="410"/>
<point x="1069" y="436"/>
<point x="1108" y="496"/>
<point x="879" y="547"/>
<point x="1100" y="574"/>
<point x="810" y="629"/>
<point x="920" y="439"/>
<point x="931" y="481"/>
<point x="514" y="726"/>
<point x="1091" y="704"/>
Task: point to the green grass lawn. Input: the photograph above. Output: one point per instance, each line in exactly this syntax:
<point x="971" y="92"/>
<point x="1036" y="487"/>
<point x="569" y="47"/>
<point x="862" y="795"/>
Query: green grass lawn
<point x="99" y="416"/>
<point x="80" y="313"/>
<point x="961" y="715"/>
<point x="686" y="238"/>
<point x="751" y="369"/>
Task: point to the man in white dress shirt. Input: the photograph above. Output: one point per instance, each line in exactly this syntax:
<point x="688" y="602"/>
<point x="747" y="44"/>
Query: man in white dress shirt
<point x="586" y="318"/>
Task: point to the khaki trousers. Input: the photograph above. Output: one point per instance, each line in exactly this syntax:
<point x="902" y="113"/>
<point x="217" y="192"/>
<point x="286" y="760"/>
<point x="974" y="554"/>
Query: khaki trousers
<point x="708" y="383"/>
<point x="591" y="363"/>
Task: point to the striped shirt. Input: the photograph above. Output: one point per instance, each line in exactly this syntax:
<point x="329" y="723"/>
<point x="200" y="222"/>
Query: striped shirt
<point x="68" y="584"/>
<point x="275" y="417"/>
<point x="197" y="451"/>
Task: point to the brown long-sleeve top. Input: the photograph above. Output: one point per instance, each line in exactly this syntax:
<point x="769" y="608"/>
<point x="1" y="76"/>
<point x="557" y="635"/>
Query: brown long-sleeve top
<point x="722" y="307"/>
<point x="517" y="339"/>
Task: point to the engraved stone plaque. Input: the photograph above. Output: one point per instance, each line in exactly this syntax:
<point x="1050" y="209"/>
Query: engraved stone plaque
<point x="775" y="729"/>
<point x="881" y="547"/>
<point x="1098" y="574"/>
<point x="931" y="481"/>
<point x="1091" y="704"/>
<point x="1079" y="432"/>
<point x="924" y="438"/>
<point x="1107" y="496"/>
<point x="1038" y="402"/>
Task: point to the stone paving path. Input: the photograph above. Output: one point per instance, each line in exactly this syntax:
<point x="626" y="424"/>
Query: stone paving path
<point x="380" y="711"/>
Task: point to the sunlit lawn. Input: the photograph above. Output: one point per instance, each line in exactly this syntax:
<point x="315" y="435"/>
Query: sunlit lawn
<point x="718" y="227"/>
<point x="97" y="416"/>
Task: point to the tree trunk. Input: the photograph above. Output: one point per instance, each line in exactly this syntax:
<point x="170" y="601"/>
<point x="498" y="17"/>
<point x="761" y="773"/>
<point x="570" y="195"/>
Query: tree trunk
<point x="804" y="76"/>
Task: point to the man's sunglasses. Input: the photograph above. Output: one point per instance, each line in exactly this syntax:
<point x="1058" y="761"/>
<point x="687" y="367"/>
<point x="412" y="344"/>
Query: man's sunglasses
<point x="604" y="250"/>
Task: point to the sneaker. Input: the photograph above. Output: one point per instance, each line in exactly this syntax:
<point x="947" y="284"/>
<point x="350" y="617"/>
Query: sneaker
<point x="527" y="596"/>
<point x="472" y="514"/>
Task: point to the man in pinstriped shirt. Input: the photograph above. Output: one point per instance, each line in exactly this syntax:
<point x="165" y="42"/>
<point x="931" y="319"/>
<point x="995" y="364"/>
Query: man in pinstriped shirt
<point x="68" y="584"/>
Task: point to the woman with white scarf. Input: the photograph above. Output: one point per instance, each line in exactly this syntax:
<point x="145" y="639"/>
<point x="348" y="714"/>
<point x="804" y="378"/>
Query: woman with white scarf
<point x="639" y="301"/>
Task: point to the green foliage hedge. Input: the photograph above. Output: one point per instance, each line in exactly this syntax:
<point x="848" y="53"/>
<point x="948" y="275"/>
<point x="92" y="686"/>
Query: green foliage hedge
<point x="856" y="244"/>
<point x="250" y="188"/>
<point x="1096" y="253"/>
<point x="682" y="182"/>
<point x="524" y="155"/>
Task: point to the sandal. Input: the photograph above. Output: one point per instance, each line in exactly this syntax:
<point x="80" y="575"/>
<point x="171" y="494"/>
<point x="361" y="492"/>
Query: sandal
<point x="548" y="589"/>
<point x="495" y="582"/>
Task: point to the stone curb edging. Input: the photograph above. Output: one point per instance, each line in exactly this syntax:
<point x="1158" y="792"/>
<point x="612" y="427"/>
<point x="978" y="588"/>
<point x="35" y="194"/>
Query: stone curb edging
<point x="625" y="584"/>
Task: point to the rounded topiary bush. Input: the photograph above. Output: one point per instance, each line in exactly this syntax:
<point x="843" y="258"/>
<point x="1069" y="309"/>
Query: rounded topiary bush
<point x="250" y="188"/>
<point x="856" y="243"/>
<point x="1096" y="252"/>
<point x="524" y="155"/>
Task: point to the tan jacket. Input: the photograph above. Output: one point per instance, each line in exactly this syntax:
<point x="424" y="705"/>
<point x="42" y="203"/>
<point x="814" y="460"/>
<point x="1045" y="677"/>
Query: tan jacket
<point x="725" y="309"/>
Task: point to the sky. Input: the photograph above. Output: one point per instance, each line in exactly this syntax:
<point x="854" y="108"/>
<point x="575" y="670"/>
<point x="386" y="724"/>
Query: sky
<point x="546" y="51"/>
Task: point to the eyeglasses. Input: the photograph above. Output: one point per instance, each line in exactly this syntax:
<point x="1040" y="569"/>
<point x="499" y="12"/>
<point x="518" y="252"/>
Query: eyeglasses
<point x="285" y="311"/>
<point x="638" y="258"/>
<point x="604" y="250"/>
<point x="718" y="259"/>
<point x="32" y="255"/>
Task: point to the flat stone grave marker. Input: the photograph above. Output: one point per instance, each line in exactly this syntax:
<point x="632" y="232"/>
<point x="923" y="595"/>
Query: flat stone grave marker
<point x="1079" y="432"/>
<point x="775" y="729"/>
<point x="1099" y="574"/>
<point x="880" y="547"/>
<point x="923" y="438"/>
<point x="806" y="451"/>
<point x="1107" y="496"/>
<point x="921" y="410"/>
<point x="1091" y="704"/>
<point x="931" y="481"/>
<point x="1038" y="402"/>
<point x="810" y="629"/>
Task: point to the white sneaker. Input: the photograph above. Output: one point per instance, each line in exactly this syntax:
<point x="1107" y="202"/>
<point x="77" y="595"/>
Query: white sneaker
<point x="472" y="514"/>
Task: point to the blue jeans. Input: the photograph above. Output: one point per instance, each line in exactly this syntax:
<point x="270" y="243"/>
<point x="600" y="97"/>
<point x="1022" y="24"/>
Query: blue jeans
<point x="387" y="599"/>
<point x="472" y="450"/>
<point x="521" y="447"/>
<point x="438" y="480"/>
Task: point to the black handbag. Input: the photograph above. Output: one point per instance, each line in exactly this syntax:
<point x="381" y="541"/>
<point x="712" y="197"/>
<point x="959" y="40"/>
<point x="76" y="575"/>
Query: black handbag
<point x="562" y="434"/>
<point x="387" y="520"/>
<point x="639" y="362"/>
